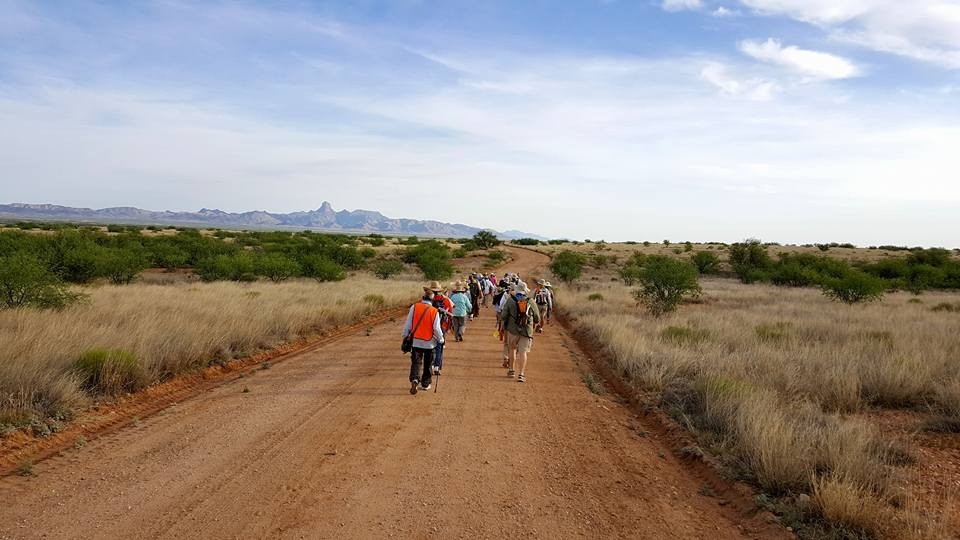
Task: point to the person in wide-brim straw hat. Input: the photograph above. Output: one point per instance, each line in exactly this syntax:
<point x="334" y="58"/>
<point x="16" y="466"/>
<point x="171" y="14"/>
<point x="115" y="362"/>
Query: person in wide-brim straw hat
<point x="433" y="286"/>
<point x="461" y="307"/>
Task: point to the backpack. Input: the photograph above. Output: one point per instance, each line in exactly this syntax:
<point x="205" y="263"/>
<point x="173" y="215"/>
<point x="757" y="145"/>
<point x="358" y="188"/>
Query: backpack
<point x="523" y="313"/>
<point x="497" y="298"/>
<point x="543" y="297"/>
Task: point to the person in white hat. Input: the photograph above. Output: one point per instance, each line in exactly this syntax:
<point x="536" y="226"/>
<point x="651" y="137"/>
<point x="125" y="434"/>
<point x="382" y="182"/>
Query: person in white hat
<point x="542" y="297"/>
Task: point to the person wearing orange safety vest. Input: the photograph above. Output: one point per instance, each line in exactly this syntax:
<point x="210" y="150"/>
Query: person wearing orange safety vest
<point x="423" y="323"/>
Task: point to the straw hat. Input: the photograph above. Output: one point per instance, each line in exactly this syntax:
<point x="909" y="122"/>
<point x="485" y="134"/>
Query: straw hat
<point x="434" y="286"/>
<point x="541" y="282"/>
<point x="458" y="286"/>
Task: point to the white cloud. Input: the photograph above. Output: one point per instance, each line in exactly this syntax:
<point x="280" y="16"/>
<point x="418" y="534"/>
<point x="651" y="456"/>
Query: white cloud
<point x="681" y="5"/>
<point x="724" y="12"/>
<point x="753" y="88"/>
<point x="809" y="63"/>
<point x="926" y="30"/>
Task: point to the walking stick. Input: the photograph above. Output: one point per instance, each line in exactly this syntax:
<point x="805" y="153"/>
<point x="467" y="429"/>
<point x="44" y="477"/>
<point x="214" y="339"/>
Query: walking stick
<point x="437" y="386"/>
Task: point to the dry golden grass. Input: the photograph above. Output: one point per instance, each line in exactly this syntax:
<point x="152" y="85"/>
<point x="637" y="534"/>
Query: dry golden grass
<point x="767" y="375"/>
<point x="170" y="328"/>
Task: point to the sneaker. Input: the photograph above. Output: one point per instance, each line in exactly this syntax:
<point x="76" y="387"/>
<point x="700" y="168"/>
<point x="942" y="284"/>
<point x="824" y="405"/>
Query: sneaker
<point x="413" y="387"/>
<point x="436" y="370"/>
<point x="510" y="373"/>
<point x="427" y="387"/>
<point x="521" y="378"/>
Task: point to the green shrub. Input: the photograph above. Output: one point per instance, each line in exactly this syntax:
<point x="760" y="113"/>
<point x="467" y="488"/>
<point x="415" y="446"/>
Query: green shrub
<point x="26" y="282"/>
<point x="706" y="262"/>
<point x="238" y="267"/>
<point x="496" y="256"/>
<point x="630" y="274"/>
<point x="595" y="297"/>
<point x="322" y="269"/>
<point x="567" y="266"/>
<point x="121" y="266"/>
<point x="435" y="266"/>
<point x="110" y="371"/>
<point x="526" y="242"/>
<point x="688" y="247"/>
<point x="276" y="267"/>
<point x="486" y="240"/>
<point x="375" y="241"/>
<point x="684" y="334"/>
<point x="854" y="287"/>
<point x="387" y="268"/>
<point x="460" y="253"/>
<point x="749" y="259"/>
<point x="665" y="281"/>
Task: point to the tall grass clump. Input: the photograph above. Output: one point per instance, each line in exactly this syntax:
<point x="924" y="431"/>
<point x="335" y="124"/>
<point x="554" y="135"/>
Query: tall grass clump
<point x="768" y="376"/>
<point x="125" y="337"/>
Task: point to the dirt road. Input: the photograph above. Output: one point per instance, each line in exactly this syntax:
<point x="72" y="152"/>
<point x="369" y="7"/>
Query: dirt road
<point x="331" y="445"/>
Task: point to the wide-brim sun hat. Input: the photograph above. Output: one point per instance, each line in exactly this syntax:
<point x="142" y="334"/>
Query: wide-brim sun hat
<point x="434" y="286"/>
<point x="541" y="282"/>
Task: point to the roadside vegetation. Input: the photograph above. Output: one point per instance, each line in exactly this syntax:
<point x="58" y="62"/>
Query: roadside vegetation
<point x="81" y="321"/>
<point x="123" y="338"/>
<point x="783" y="380"/>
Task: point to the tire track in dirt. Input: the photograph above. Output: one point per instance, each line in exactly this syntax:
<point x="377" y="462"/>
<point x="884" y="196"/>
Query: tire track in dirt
<point x="330" y="444"/>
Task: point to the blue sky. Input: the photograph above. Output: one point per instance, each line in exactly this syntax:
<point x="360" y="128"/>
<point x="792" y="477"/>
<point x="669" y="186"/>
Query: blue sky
<point x="788" y="120"/>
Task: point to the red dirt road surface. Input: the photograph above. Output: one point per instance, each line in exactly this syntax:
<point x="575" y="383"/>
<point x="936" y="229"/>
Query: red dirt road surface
<point x="330" y="444"/>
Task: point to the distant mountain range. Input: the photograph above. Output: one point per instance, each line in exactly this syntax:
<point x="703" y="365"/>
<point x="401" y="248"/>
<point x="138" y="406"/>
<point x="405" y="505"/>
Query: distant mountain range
<point x="324" y="218"/>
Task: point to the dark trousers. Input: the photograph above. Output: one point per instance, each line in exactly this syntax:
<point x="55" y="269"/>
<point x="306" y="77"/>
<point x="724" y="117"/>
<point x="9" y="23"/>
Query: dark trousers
<point x="421" y="361"/>
<point x="438" y="356"/>
<point x="475" y="300"/>
<point x="458" y="324"/>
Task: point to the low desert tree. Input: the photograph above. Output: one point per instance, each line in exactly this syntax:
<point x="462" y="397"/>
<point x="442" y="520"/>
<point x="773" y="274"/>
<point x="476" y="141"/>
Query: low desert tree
<point x="435" y="266"/>
<point x="496" y="256"/>
<point x="526" y="242"/>
<point x="322" y="269"/>
<point x="237" y="267"/>
<point x="26" y="282"/>
<point x="749" y="259"/>
<point x="854" y="287"/>
<point x="567" y="266"/>
<point x="387" y="268"/>
<point x="276" y="267"/>
<point x="121" y="266"/>
<point x="630" y="274"/>
<point x="486" y="239"/>
<point x="665" y="282"/>
<point x="706" y="262"/>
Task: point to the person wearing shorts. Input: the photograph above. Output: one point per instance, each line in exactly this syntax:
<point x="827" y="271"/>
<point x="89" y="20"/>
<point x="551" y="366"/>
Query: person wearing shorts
<point x="519" y="318"/>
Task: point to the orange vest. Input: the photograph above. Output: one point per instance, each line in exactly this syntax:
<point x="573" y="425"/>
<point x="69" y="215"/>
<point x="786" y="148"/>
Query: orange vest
<point x="425" y="330"/>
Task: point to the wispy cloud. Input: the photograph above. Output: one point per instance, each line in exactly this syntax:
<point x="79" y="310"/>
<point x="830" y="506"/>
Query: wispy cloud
<point x="925" y="30"/>
<point x="681" y="5"/>
<point x="808" y="63"/>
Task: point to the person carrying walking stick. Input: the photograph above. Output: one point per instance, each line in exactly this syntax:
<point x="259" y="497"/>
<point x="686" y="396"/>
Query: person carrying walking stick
<point x="423" y="329"/>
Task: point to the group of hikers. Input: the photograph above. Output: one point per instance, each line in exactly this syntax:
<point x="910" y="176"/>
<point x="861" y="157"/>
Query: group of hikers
<point x="521" y="313"/>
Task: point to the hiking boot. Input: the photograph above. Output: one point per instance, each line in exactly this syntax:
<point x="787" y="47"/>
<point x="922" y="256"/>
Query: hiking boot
<point x="413" y="386"/>
<point x="427" y="387"/>
<point x="510" y="373"/>
<point x="521" y="378"/>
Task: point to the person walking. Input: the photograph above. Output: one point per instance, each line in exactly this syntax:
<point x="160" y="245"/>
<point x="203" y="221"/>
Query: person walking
<point x="423" y="324"/>
<point x="445" y="308"/>
<point x="544" y="304"/>
<point x="487" y="288"/>
<point x="476" y="296"/>
<point x="519" y="318"/>
<point x="553" y="301"/>
<point x="461" y="307"/>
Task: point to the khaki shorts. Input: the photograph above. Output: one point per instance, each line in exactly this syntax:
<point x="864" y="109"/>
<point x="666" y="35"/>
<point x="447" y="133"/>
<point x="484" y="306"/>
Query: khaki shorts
<point x="518" y="342"/>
